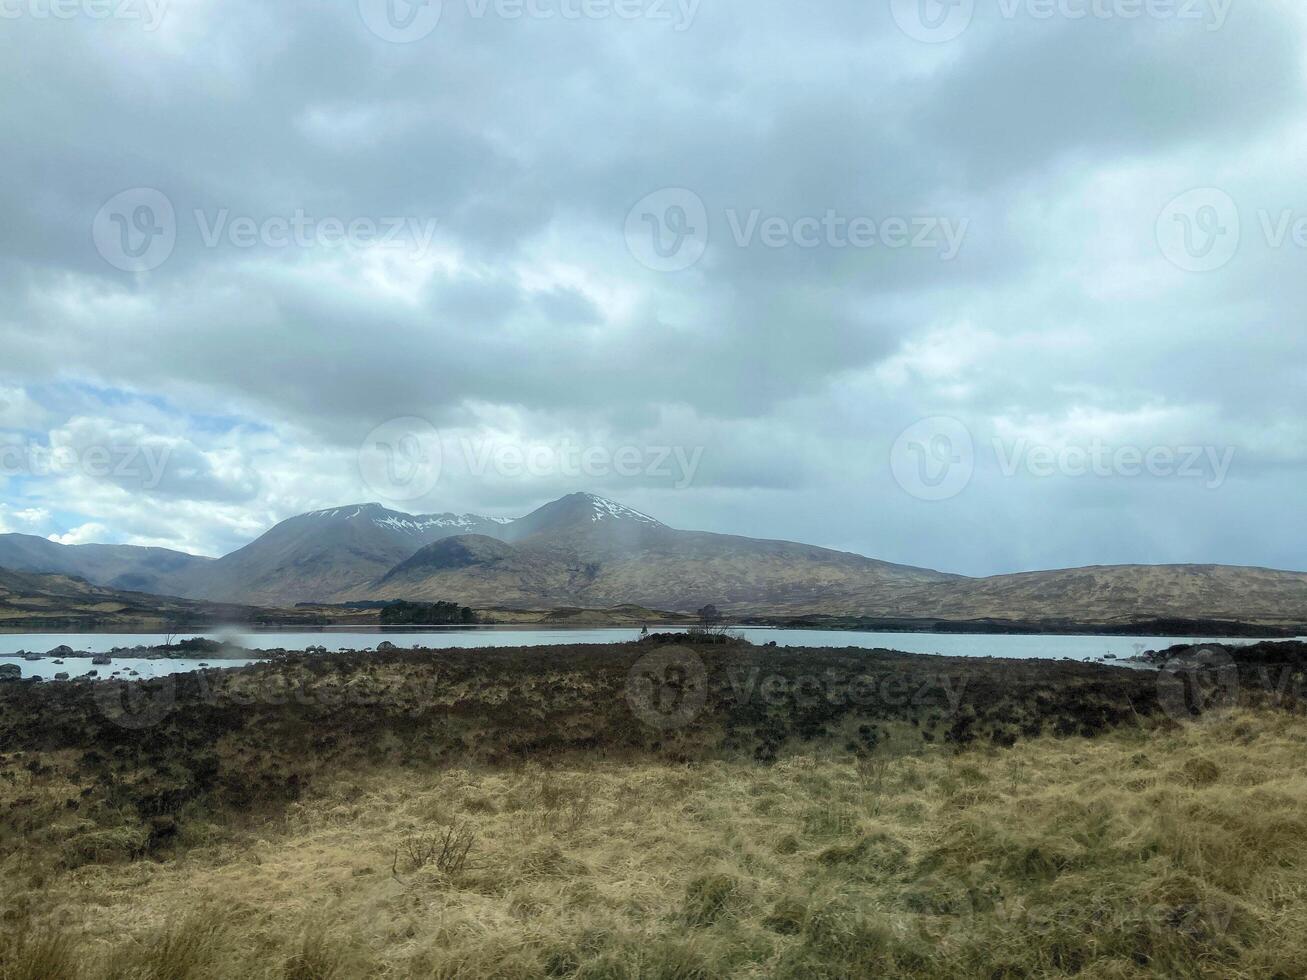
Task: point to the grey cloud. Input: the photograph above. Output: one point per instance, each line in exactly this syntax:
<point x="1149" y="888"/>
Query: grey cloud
<point x="527" y="142"/>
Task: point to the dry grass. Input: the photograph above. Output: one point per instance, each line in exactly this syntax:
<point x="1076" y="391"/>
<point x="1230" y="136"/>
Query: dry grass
<point x="1134" y="855"/>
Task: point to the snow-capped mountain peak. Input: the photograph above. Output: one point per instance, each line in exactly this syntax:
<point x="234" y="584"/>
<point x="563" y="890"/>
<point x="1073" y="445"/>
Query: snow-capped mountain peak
<point x="416" y="525"/>
<point x="394" y="520"/>
<point x="603" y="509"/>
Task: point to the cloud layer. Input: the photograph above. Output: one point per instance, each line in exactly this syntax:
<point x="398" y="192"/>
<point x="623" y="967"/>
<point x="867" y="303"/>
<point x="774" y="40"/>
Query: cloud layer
<point x="341" y="214"/>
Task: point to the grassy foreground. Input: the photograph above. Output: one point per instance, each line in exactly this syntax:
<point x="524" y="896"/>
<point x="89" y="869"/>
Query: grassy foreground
<point x="1152" y="849"/>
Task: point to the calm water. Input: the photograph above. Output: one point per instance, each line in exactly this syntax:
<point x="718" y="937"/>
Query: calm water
<point x="948" y="644"/>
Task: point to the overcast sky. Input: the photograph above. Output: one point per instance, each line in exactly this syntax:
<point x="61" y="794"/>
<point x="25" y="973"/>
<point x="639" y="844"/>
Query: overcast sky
<point x="989" y="286"/>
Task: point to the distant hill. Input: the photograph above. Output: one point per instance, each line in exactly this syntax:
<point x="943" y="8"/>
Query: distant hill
<point x="1117" y="594"/>
<point x="116" y="566"/>
<point x="61" y="602"/>
<point x="324" y="554"/>
<point x="586" y="552"/>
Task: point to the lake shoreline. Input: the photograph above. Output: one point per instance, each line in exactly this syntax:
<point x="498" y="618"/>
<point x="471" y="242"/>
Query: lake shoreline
<point x="1231" y="629"/>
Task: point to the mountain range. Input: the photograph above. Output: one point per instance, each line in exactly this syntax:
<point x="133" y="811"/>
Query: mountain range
<point x="52" y="602"/>
<point x="584" y="550"/>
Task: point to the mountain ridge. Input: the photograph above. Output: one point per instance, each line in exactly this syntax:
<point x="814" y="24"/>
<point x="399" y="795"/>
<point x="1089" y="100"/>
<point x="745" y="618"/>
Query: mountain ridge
<point x="584" y="550"/>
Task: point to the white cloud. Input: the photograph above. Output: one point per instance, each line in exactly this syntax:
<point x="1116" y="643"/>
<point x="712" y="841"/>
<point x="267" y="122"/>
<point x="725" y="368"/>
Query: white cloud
<point x="85" y="534"/>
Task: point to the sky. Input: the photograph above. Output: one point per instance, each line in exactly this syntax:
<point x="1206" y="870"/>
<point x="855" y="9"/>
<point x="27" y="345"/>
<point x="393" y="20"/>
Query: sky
<point x="980" y="285"/>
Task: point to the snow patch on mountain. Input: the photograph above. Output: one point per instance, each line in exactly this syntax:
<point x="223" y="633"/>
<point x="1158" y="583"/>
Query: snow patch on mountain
<point x="604" y="509"/>
<point x="398" y="521"/>
<point x="416" y="525"/>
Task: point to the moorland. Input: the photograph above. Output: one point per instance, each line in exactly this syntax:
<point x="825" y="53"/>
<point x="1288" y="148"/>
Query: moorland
<point x="672" y="808"/>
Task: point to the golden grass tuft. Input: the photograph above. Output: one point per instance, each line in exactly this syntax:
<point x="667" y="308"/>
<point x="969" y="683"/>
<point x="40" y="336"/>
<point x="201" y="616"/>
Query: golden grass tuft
<point x="1134" y="855"/>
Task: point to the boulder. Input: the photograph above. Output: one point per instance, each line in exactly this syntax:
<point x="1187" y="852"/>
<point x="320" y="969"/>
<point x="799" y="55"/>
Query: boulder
<point x="10" y="672"/>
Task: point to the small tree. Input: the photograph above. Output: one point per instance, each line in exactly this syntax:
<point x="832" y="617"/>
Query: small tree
<point x="709" y="615"/>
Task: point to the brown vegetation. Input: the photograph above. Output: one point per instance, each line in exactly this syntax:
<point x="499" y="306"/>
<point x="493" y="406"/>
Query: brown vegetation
<point x="547" y="812"/>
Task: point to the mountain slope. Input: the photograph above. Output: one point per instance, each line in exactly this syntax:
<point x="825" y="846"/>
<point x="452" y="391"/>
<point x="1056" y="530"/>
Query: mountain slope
<point x="585" y="550"/>
<point x="324" y="553"/>
<point x="156" y="570"/>
<point x="1116" y="594"/>
<point x="59" y="602"/>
